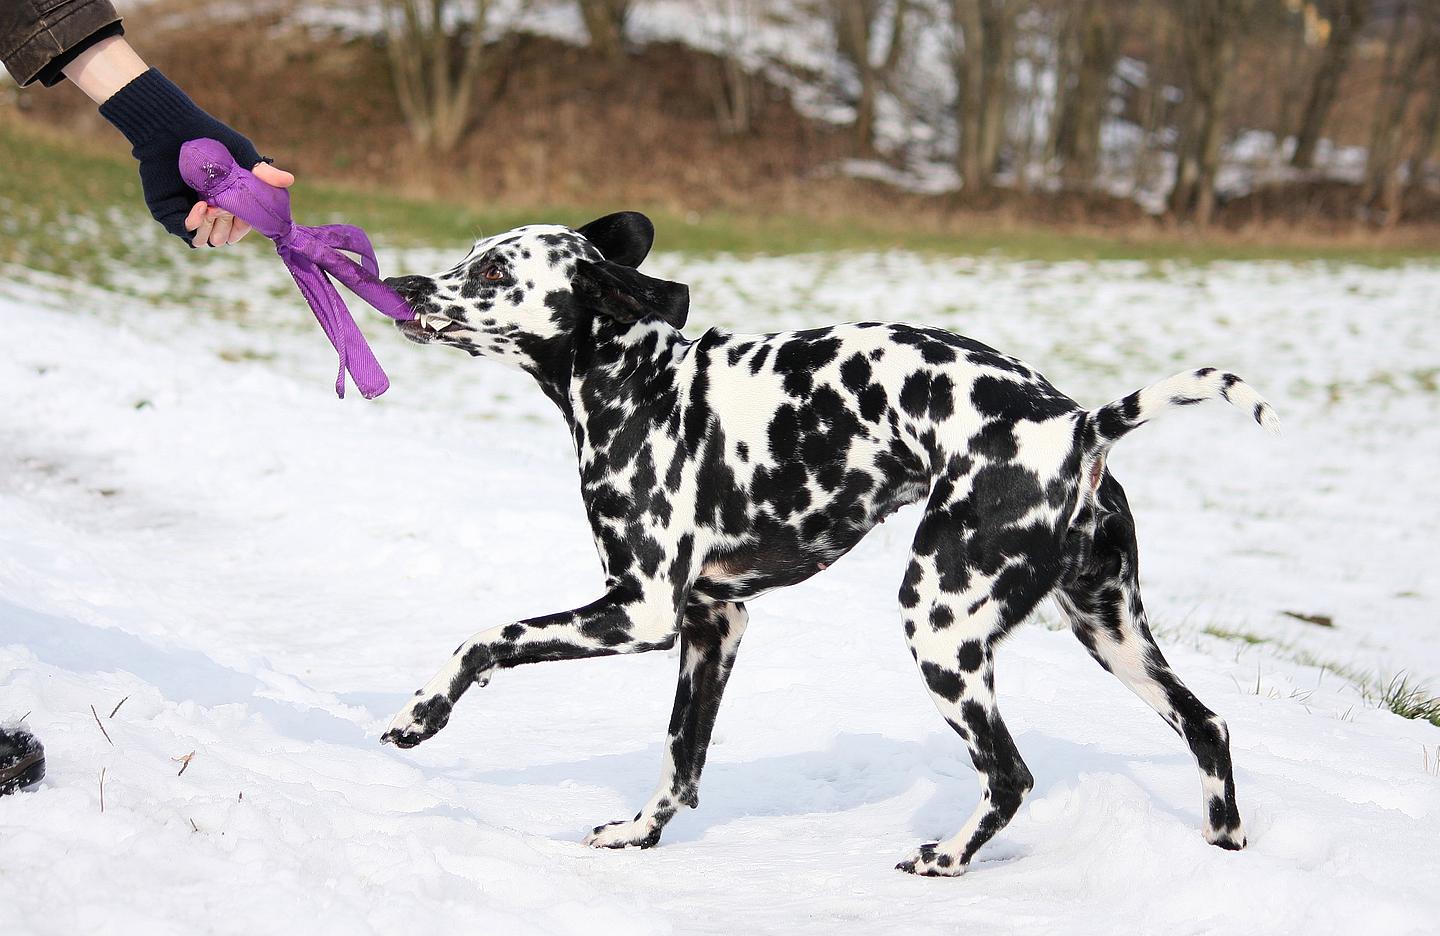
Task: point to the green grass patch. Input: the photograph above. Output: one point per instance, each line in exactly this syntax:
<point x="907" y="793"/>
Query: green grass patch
<point x="1400" y="694"/>
<point x="49" y="185"/>
<point x="1241" y="636"/>
<point x="1319" y="620"/>
<point x="1409" y="700"/>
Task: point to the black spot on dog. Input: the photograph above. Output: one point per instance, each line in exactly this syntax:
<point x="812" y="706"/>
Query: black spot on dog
<point x="995" y="441"/>
<point x="998" y="398"/>
<point x="915" y="394"/>
<point x="798" y="358"/>
<point x="909" y="597"/>
<point x="941" y="681"/>
<point x="758" y="361"/>
<point x="873" y="402"/>
<point x="970" y="655"/>
<point x="855" y="373"/>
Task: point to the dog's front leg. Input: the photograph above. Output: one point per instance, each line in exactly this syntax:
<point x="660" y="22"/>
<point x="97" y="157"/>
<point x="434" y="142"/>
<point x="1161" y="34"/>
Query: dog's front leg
<point x="621" y="622"/>
<point x="709" y="639"/>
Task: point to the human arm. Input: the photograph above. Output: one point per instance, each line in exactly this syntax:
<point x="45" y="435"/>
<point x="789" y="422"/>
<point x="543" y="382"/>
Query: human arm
<point x="46" y="41"/>
<point x="156" y="117"/>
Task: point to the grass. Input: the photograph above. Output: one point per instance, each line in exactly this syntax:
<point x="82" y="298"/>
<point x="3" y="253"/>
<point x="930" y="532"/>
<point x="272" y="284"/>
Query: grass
<point x="50" y="181"/>
<point x="1399" y="694"/>
<point x="1241" y="636"/>
<point x="1409" y="700"/>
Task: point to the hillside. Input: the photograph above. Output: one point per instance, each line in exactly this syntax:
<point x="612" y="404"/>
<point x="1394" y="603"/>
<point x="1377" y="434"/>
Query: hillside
<point x="556" y="126"/>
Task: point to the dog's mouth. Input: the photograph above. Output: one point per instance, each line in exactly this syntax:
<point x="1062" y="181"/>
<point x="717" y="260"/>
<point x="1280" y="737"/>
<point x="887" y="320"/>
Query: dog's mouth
<point x="425" y="328"/>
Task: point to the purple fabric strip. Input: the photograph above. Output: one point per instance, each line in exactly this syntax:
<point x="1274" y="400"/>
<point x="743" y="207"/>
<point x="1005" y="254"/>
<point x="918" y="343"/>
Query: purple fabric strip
<point x="309" y="253"/>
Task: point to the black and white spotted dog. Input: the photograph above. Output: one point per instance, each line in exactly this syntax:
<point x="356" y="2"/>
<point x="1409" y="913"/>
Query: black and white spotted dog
<point x="717" y="468"/>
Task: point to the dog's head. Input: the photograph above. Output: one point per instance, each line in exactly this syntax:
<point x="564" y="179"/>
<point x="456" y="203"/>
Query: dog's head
<point x="518" y="296"/>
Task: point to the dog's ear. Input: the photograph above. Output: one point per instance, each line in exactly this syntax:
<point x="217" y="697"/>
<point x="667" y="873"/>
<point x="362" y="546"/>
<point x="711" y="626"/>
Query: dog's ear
<point x="624" y="237"/>
<point x="627" y="295"/>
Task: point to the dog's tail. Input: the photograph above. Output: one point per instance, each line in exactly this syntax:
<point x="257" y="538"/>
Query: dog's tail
<point x="1113" y="421"/>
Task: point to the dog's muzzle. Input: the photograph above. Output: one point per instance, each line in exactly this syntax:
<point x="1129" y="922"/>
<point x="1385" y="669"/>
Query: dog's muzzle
<point x="426" y="326"/>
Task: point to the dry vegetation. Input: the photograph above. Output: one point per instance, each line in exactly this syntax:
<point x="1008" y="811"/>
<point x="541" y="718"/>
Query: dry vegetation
<point x="555" y="126"/>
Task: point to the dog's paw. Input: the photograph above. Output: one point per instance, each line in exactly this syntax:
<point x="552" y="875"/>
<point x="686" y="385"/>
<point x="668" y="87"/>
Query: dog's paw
<point x="1231" y="839"/>
<point x="930" y="861"/>
<point x="625" y="833"/>
<point x="417" y="721"/>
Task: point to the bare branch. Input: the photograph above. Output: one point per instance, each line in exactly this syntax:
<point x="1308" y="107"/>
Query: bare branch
<point x="102" y="727"/>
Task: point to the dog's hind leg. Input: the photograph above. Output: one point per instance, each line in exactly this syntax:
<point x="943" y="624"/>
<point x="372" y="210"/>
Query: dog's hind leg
<point x="1105" y="611"/>
<point x="621" y="622"/>
<point x="972" y="577"/>
<point x="709" y="639"/>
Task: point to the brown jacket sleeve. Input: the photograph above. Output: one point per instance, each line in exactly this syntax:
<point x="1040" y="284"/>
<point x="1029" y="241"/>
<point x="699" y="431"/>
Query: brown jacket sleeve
<point x="35" y="34"/>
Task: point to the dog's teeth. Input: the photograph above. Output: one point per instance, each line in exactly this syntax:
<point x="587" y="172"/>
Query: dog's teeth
<point x="437" y="322"/>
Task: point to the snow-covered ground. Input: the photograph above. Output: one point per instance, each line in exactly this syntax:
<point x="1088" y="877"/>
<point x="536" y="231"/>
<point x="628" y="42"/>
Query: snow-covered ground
<point x="190" y="523"/>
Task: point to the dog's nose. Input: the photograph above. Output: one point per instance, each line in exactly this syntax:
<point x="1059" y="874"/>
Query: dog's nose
<point x="410" y="287"/>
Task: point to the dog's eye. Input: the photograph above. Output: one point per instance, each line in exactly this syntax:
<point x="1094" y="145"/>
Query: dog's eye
<point x="492" y="273"/>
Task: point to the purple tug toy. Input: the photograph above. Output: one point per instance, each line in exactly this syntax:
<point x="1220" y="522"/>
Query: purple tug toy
<point x="309" y="253"/>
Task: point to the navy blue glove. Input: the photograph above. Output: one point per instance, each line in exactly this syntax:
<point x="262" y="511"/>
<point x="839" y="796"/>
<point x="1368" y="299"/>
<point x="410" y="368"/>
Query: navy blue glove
<point x="156" y="117"/>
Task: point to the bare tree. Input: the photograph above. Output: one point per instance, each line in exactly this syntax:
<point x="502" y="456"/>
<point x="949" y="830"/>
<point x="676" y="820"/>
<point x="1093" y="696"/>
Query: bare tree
<point x="1413" y="44"/>
<point x="1210" y="31"/>
<point x="985" y="36"/>
<point x="732" y="84"/>
<point x="1089" y="51"/>
<point x="1427" y="139"/>
<point x="435" y="80"/>
<point x="1346" y="23"/>
<point x="1294" y="25"/>
<point x="857" y="22"/>
<point x="605" y="23"/>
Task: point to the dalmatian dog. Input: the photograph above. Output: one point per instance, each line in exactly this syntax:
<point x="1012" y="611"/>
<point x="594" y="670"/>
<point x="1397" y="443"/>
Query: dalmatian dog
<point x="717" y="468"/>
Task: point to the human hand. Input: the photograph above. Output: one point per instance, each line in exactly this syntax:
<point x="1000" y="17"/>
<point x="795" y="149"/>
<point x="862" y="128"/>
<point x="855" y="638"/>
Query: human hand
<point x="217" y="227"/>
<point x="158" y="118"/>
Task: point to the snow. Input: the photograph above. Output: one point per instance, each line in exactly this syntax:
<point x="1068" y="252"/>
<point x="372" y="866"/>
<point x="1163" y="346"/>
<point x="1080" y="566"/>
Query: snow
<point x="192" y="524"/>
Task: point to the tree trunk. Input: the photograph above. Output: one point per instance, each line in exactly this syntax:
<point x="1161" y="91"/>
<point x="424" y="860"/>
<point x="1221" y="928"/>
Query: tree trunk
<point x="1426" y="140"/>
<point x="1097" y="47"/>
<point x="730" y="84"/>
<point x="982" y="67"/>
<point x="998" y="53"/>
<point x="1385" y="113"/>
<point x="1209" y="32"/>
<point x="435" y="93"/>
<point x="855" y="24"/>
<point x="1387" y="138"/>
<point x="1344" y="30"/>
<point x="1296" y="34"/>
<point x="1067" y="64"/>
<point x="969" y="101"/>
<point x="1161" y="33"/>
<point x="732" y="96"/>
<point x="605" y="23"/>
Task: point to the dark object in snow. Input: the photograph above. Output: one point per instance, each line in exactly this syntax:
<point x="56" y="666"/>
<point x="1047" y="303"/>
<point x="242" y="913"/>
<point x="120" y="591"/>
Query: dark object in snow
<point x="22" y="759"/>
<point x="1319" y="620"/>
